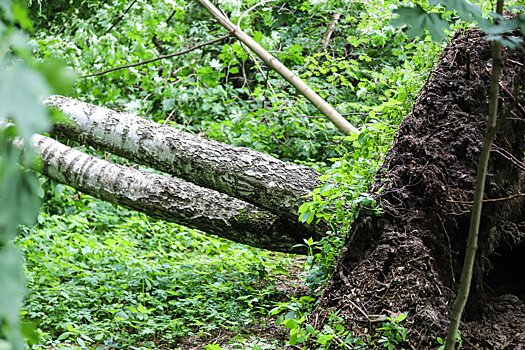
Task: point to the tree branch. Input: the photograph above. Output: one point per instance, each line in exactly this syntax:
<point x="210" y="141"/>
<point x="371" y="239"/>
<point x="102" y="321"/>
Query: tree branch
<point x="337" y="119"/>
<point x="119" y="18"/>
<point x="159" y="57"/>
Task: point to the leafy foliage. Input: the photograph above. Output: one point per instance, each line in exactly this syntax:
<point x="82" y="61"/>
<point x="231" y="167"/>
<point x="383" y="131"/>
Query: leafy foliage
<point x="420" y="20"/>
<point x="101" y="276"/>
<point x="104" y="275"/>
<point x="293" y="315"/>
<point x="497" y="26"/>
<point x="22" y="83"/>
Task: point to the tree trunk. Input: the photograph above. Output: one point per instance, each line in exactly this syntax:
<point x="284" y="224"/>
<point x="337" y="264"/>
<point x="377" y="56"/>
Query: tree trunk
<point x="409" y="259"/>
<point x="239" y="172"/>
<point x="170" y="199"/>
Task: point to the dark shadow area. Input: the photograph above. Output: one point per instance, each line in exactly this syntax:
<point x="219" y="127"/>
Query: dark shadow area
<point x="508" y="273"/>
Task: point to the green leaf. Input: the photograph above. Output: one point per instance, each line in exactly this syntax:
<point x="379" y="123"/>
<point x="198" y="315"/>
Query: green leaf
<point x="12" y="293"/>
<point x="18" y="188"/>
<point x="4" y="345"/>
<point x="361" y="138"/>
<point x="293" y="339"/>
<point x="310" y="241"/>
<point x="59" y="77"/>
<point x="212" y="347"/>
<point x="324" y="338"/>
<point x="6" y="7"/>
<point x="310" y="329"/>
<point x="30" y="333"/>
<point x="326" y="189"/>
<point x="81" y="342"/>
<point x="21" y="90"/>
<point x="401" y="317"/>
<point x="64" y="335"/>
<point x="419" y="20"/>
<point x="511" y="42"/>
<point x="21" y="15"/>
<point x="290" y="323"/>
<point x="306" y="216"/>
<point x="465" y="9"/>
<point x="501" y="25"/>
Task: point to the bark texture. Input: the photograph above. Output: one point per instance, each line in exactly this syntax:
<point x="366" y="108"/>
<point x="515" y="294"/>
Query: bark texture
<point x="239" y="172"/>
<point x="170" y="199"/>
<point x="410" y="258"/>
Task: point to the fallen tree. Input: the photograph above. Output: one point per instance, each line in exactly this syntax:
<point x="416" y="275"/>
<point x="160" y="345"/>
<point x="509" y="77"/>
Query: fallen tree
<point x="240" y="172"/>
<point x="274" y="189"/>
<point x="170" y="199"/>
<point x="409" y="259"/>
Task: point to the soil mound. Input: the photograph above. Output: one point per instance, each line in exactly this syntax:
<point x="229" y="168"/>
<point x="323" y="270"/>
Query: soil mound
<point x="410" y="259"/>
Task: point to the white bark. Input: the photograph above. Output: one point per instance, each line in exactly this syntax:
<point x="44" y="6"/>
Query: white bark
<point x="329" y="31"/>
<point x="239" y="172"/>
<point x="169" y="199"/>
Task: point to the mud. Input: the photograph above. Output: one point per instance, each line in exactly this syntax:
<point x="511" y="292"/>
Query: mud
<point x="410" y="259"/>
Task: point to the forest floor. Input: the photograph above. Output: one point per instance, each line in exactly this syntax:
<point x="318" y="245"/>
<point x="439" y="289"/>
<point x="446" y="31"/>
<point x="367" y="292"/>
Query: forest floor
<point x="264" y="333"/>
<point x="104" y="277"/>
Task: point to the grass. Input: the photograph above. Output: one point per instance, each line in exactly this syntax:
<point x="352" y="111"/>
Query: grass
<point x="103" y="277"/>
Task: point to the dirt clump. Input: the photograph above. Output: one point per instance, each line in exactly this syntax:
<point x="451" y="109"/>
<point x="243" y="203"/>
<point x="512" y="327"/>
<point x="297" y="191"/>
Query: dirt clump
<point x="409" y="259"/>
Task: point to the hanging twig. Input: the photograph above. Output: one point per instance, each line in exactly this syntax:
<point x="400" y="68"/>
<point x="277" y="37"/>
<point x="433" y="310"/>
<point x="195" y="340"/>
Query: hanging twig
<point x="171" y="16"/>
<point x="119" y="17"/>
<point x="257" y="65"/>
<point x="158" y="58"/>
<point x="250" y="10"/>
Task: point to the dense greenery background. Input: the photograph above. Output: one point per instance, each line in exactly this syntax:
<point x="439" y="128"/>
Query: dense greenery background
<point x="104" y="277"/>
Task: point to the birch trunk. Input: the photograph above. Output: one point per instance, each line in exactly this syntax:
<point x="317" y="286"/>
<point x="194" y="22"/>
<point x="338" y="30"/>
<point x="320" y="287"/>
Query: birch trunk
<point x="169" y="199"/>
<point x="239" y="172"/>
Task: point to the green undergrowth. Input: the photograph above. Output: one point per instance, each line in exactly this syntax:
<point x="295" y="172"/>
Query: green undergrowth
<point x="101" y="276"/>
<point x="370" y="72"/>
<point x="294" y="316"/>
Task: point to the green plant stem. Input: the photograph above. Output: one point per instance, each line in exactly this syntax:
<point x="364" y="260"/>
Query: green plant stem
<point x="472" y="243"/>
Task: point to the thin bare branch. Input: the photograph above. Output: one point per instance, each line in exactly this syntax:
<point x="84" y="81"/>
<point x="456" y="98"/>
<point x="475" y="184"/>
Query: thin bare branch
<point x="257" y="65"/>
<point x="491" y="200"/>
<point x="159" y="57"/>
<point x="475" y="216"/>
<point x="119" y="18"/>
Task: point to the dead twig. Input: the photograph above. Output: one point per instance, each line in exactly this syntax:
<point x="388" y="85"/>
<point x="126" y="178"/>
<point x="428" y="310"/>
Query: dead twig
<point x="159" y="57"/>
<point x="490" y="200"/>
<point x="119" y="17"/>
